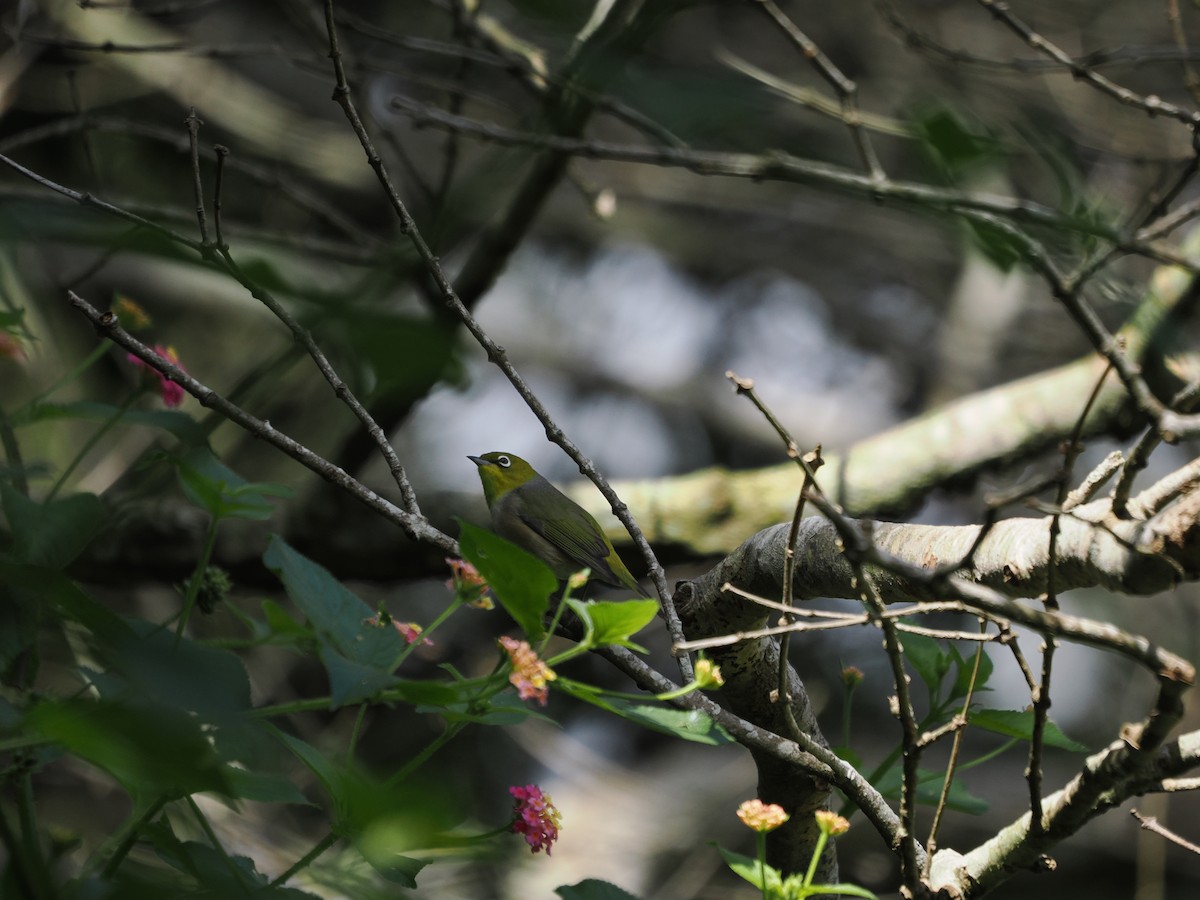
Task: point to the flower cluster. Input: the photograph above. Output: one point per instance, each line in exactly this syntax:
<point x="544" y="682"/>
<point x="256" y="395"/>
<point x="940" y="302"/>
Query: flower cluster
<point x="530" y="676"/>
<point x="468" y="585"/>
<point x="172" y="393"/>
<point x="762" y="817"/>
<point x="535" y="817"/>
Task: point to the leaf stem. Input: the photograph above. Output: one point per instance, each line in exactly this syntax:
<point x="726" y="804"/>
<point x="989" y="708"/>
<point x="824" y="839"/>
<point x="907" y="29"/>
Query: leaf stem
<point x="91" y="442"/>
<point x="303" y="862"/>
<point x="193" y="588"/>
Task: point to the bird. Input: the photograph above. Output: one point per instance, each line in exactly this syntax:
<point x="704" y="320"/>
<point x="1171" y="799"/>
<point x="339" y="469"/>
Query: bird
<point x="530" y="512"/>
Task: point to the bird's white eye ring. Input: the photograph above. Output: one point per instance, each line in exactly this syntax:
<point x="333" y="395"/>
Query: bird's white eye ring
<point x="503" y="461"/>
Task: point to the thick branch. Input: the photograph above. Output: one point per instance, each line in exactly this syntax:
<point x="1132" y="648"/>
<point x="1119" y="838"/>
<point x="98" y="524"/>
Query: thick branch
<point x="712" y="510"/>
<point x="1151" y="551"/>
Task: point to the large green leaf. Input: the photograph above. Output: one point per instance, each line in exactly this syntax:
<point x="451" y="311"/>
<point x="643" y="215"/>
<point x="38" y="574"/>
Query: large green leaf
<point x="385" y="819"/>
<point x="608" y="622"/>
<point x="351" y="681"/>
<point x="955" y="144"/>
<point x="322" y="767"/>
<point x="929" y="789"/>
<point x="752" y="870"/>
<point x="1019" y="724"/>
<point x="689" y="724"/>
<point x="180" y="424"/>
<point x="217" y="874"/>
<point x="358" y="655"/>
<point x="399" y="356"/>
<point x="264" y="787"/>
<point x="521" y="582"/>
<point x="150" y="748"/>
<point x="929" y="659"/>
<point x="51" y="534"/>
<point x="213" y="486"/>
<point x="54" y="591"/>
<point x="965" y="667"/>
<point x="153" y="664"/>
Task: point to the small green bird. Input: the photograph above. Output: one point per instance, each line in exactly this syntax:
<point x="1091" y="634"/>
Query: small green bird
<point x="535" y="515"/>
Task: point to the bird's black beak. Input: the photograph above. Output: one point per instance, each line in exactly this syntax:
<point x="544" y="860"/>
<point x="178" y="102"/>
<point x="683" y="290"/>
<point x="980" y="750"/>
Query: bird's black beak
<point x="479" y="460"/>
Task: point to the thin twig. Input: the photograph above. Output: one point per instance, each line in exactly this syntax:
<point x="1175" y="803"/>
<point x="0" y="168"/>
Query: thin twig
<point x="1041" y="697"/>
<point x="776" y="165"/>
<point x="495" y="352"/>
<point x="963" y="717"/>
<point x="1151" y="824"/>
<point x="193" y="126"/>
<point x="1151" y="104"/>
<point x="416" y="526"/>
<point x="218" y="183"/>
<point x="846" y="89"/>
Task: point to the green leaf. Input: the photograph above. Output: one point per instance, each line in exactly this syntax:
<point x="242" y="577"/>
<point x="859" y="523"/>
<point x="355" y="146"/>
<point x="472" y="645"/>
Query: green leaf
<point x="399" y="356"/>
<point x="350" y="681"/>
<point x="521" y="582"/>
<point x="19" y="622"/>
<point x="964" y="667"/>
<point x="177" y="423"/>
<point x="954" y="144"/>
<point x="35" y="595"/>
<point x="401" y="870"/>
<point x="1001" y="247"/>
<point x="282" y="625"/>
<point x="51" y="534"/>
<point x="689" y="724"/>
<point x="316" y="762"/>
<point x="614" y="622"/>
<point x="217" y="874"/>
<point x="752" y="871"/>
<point x="358" y="656"/>
<point x="929" y="790"/>
<point x="385" y="819"/>
<point x="1019" y="724"/>
<point x="52" y="589"/>
<point x="264" y="787"/>
<point x="931" y="662"/>
<point x="503" y="709"/>
<point x="213" y="486"/>
<point x="593" y="889"/>
<point x="432" y="693"/>
<point x="182" y="674"/>
<point x="149" y="748"/>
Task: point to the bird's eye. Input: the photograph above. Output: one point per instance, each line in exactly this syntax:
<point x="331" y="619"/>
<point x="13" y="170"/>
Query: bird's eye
<point x="503" y="461"/>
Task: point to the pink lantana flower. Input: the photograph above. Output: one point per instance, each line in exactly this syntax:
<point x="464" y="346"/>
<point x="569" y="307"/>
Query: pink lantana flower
<point x="530" y="676"/>
<point x="535" y="817"/>
<point x="468" y="585"/>
<point x="172" y="393"/>
<point x="411" y="632"/>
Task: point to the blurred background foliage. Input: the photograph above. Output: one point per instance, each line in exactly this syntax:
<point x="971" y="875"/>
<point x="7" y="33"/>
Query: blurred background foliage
<point x="627" y="295"/>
